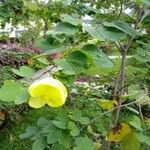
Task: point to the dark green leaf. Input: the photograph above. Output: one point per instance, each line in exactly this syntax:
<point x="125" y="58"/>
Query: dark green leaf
<point x="58" y="147"/>
<point x="78" y="61"/>
<point x="99" y="58"/>
<point x="123" y="26"/>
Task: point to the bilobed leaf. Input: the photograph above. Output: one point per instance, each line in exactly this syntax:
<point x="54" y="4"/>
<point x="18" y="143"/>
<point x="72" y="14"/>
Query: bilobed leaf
<point x="29" y="132"/>
<point x="66" y="68"/>
<point x="53" y="135"/>
<point x="42" y="122"/>
<point x="70" y="19"/>
<point x="39" y="144"/>
<point x="100" y="60"/>
<point x="60" y="124"/>
<point x="13" y="91"/>
<point x="123" y="26"/>
<point x="78" y="61"/>
<point x="84" y="120"/>
<point x="50" y="45"/>
<point x="65" y="28"/>
<point x="74" y="131"/>
<point x="65" y="139"/>
<point x="24" y="71"/>
<point x="84" y="143"/>
<point x="130" y="142"/>
<point x="102" y="33"/>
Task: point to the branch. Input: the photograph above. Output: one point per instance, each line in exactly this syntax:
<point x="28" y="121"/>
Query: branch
<point x="119" y="106"/>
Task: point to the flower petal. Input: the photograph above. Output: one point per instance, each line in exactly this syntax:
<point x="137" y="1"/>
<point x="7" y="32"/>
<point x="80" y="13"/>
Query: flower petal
<point x="52" y="90"/>
<point x="37" y="102"/>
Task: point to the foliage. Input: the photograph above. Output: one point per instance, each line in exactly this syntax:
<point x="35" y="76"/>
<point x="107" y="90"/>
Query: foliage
<point x="80" y="32"/>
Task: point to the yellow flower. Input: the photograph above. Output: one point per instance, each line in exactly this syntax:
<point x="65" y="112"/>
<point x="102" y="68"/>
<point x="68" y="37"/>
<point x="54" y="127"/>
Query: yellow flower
<point x="118" y="133"/>
<point x="47" y="91"/>
<point x="108" y="104"/>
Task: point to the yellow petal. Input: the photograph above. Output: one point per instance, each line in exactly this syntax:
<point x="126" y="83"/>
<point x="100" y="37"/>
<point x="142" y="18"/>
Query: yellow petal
<point x="118" y="133"/>
<point x="53" y="91"/>
<point x="108" y="104"/>
<point x="36" y="102"/>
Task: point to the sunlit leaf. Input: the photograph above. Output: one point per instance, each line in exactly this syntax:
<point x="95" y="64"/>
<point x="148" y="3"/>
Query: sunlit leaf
<point x="24" y="71"/>
<point x="108" y="104"/>
<point x="130" y="142"/>
<point x="117" y="133"/>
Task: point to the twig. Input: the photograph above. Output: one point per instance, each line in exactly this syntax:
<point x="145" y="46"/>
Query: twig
<point x="121" y="8"/>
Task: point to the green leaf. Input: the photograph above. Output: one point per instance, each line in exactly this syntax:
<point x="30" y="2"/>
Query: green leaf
<point x="66" y="68"/>
<point x="58" y="147"/>
<point x="142" y="55"/>
<point x="146" y="2"/>
<point x="102" y="33"/>
<point x="136" y="122"/>
<point x="24" y="71"/>
<point x="60" y="124"/>
<point x="66" y="140"/>
<point x="39" y="144"/>
<point x="130" y="142"/>
<point x="42" y="122"/>
<point x="29" y="132"/>
<point x="53" y="135"/>
<point x="74" y="131"/>
<point x="123" y="26"/>
<point x="43" y="60"/>
<point x="13" y="92"/>
<point x="132" y="109"/>
<point x="50" y="45"/>
<point x="65" y="28"/>
<point x="143" y="138"/>
<point x="65" y="78"/>
<point x="84" y="120"/>
<point x="83" y="143"/>
<point x="99" y="58"/>
<point x="78" y="61"/>
<point x="70" y="19"/>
